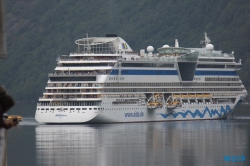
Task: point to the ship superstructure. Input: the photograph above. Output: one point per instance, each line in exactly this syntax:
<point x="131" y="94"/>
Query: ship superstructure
<point x="107" y="82"/>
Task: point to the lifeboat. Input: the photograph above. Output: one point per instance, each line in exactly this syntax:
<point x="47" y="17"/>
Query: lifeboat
<point x="184" y="95"/>
<point x="157" y="95"/>
<point x="199" y="95"/>
<point x="159" y="104"/>
<point x="171" y="105"/>
<point x="207" y="95"/>
<point x="176" y="96"/>
<point x="152" y="105"/>
<point x="191" y="95"/>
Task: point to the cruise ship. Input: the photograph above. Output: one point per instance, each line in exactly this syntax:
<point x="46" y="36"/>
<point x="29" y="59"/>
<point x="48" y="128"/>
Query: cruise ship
<point x="105" y="81"/>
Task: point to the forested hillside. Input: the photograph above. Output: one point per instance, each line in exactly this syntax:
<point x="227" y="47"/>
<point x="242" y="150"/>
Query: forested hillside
<point x="39" y="30"/>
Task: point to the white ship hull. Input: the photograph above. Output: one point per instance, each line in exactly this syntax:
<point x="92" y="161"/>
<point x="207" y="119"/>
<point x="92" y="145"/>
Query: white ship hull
<point x="58" y="116"/>
<point x="123" y="114"/>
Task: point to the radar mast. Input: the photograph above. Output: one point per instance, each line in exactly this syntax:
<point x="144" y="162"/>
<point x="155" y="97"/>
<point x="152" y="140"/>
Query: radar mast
<point x="206" y="41"/>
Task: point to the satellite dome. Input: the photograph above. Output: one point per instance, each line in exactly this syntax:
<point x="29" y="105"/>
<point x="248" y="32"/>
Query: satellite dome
<point x="209" y="47"/>
<point x="165" y="46"/>
<point x="150" y="49"/>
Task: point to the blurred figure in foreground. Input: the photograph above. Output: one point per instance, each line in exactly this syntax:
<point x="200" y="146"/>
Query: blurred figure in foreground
<point x="6" y="102"/>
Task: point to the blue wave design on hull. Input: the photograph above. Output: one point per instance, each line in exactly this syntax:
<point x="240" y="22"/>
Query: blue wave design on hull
<point x="223" y="111"/>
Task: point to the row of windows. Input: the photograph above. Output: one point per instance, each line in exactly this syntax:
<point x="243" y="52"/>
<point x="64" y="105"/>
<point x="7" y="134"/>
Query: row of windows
<point x="216" y="73"/>
<point x="71" y="91"/>
<point x="68" y="96"/>
<point x="146" y="65"/>
<point x="211" y="84"/>
<point x="221" y="79"/>
<point x="210" y="66"/>
<point x="217" y="60"/>
<point x="73" y="85"/>
<point x="93" y="78"/>
<point x="116" y="78"/>
<point x="172" y="89"/>
<point x="215" y="66"/>
<point x="86" y="64"/>
<point x="170" y="84"/>
<point x="140" y="65"/>
<point x="65" y="109"/>
<point x="88" y="103"/>
<point x="124" y="102"/>
<point x="144" y="72"/>
<point x="115" y="109"/>
<point x="171" y="72"/>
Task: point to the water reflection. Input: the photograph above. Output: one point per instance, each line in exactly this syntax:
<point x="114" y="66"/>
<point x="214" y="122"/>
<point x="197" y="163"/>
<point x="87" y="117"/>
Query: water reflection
<point x="172" y="143"/>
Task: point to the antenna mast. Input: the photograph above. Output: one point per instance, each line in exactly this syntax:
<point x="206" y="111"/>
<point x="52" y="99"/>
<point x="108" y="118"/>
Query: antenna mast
<point x="88" y="47"/>
<point x="219" y="43"/>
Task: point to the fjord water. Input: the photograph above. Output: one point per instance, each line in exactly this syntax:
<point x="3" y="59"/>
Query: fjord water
<point x="201" y="142"/>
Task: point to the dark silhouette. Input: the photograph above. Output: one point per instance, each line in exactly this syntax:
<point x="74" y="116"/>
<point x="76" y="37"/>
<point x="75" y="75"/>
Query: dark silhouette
<point x="6" y="102"/>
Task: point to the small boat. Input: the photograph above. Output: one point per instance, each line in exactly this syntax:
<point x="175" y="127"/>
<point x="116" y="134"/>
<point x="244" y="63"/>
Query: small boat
<point x="20" y="118"/>
<point x="152" y="105"/>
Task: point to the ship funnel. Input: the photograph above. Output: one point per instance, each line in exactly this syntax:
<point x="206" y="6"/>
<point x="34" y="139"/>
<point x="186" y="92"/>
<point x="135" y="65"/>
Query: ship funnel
<point x="176" y="43"/>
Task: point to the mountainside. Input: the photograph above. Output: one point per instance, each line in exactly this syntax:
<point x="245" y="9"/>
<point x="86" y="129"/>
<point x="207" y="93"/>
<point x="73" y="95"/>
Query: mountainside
<point x="39" y="30"/>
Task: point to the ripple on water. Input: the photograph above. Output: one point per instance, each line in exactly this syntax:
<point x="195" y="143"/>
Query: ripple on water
<point x="28" y="121"/>
<point x="241" y="117"/>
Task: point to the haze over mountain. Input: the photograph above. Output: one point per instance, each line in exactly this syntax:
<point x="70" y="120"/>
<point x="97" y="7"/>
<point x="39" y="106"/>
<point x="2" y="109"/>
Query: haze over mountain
<point x="40" y="30"/>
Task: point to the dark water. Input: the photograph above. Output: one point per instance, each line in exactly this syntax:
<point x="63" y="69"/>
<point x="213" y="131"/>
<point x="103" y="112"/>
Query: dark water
<point x="198" y="143"/>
